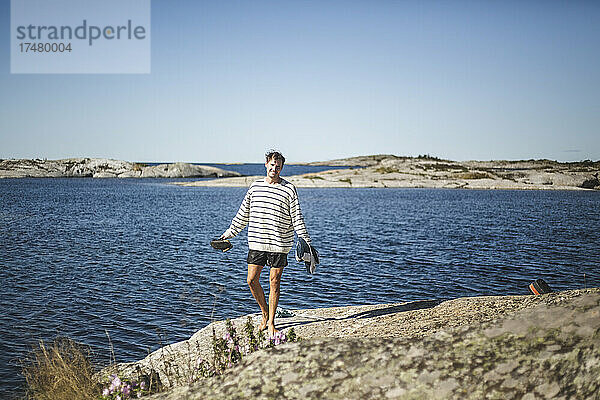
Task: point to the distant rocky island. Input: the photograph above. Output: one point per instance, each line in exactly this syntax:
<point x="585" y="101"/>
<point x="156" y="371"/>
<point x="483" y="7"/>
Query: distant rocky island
<point x="105" y="168"/>
<point x="383" y="170"/>
<point x="390" y="171"/>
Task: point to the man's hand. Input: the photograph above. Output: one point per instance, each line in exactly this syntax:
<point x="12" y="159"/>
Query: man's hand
<point x="225" y="235"/>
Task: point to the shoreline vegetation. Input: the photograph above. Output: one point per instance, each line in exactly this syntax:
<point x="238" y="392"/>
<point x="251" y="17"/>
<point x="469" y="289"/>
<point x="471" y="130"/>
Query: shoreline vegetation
<point x="390" y="171"/>
<point x="526" y="346"/>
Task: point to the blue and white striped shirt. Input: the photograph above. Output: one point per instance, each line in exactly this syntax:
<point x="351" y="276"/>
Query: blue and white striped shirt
<point x="272" y="213"/>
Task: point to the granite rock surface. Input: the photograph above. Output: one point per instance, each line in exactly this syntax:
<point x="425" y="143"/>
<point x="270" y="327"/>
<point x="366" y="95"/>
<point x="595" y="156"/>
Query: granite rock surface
<point x="477" y="347"/>
<point x="104" y="168"/>
<point x="551" y="351"/>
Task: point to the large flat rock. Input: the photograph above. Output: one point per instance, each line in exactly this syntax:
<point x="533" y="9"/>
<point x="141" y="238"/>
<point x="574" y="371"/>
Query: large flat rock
<point x="338" y="343"/>
<point x="549" y="349"/>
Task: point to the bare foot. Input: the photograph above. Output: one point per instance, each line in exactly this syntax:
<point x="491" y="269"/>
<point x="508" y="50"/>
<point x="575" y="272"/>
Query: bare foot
<point x="263" y="323"/>
<point x="272" y="330"/>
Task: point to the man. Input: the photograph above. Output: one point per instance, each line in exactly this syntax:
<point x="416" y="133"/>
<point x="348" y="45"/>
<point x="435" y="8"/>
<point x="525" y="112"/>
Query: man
<point x="272" y="212"/>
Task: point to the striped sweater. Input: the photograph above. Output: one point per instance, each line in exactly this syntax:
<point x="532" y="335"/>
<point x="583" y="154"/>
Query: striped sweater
<point x="272" y="213"/>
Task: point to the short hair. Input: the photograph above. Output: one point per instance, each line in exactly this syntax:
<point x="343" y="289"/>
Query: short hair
<point x="276" y="154"/>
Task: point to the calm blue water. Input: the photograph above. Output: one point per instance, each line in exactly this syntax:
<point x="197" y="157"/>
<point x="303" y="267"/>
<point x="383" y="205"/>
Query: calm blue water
<point x="131" y="256"/>
<point x="259" y="169"/>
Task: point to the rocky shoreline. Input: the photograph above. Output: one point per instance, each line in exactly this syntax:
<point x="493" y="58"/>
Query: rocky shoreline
<point x="531" y="347"/>
<point x="389" y="171"/>
<point x="105" y="168"/>
<point x="383" y="171"/>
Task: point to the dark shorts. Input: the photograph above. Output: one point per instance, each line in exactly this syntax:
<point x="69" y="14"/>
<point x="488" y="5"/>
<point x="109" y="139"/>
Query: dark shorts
<point x="262" y="258"/>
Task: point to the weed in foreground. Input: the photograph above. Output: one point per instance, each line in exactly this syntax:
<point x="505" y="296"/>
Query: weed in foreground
<point x="231" y="349"/>
<point x="61" y="370"/>
<point x="116" y="388"/>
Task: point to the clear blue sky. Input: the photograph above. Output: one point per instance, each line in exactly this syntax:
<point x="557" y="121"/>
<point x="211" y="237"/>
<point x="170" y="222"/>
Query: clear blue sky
<point x="327" y="79"/>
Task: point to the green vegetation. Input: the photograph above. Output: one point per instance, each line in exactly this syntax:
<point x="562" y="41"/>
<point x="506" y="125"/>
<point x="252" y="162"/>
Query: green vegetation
<point x="116" y="388"/>
<point x="311" y="177"/>
<point x="444" y="167"/>
<point x="584" y="166"/>
<point x="429" y="157"/>
<point x="347" y="180"/>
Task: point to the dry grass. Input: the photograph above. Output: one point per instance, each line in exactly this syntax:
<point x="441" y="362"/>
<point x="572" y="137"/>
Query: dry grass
<point x="63" y="370"/>
<point x="474" y="175"/>
<point x="139" y="166"/>
<point x="387" y="170"/>
<point x="60" y="371"/>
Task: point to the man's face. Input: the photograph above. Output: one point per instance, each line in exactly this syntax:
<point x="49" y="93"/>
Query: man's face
<point x="273" y="168"/>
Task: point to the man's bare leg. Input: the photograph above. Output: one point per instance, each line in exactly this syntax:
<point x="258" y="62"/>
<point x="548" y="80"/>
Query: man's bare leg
<point x="258" y="293"/>
<point x="274" y="280"/>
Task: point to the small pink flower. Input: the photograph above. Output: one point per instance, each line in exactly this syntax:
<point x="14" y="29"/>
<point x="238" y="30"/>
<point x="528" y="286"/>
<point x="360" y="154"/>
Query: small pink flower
<point x="105" y="392"/>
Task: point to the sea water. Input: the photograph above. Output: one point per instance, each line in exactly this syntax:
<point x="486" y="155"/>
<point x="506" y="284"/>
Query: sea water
<point x="131" y="257"/>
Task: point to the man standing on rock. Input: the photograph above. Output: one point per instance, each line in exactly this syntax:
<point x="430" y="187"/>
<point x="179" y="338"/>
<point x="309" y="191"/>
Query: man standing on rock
<point x="272" y="212"/>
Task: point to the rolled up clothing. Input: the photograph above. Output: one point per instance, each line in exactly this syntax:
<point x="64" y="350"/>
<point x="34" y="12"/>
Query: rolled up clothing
<point x="307" y="254"/>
